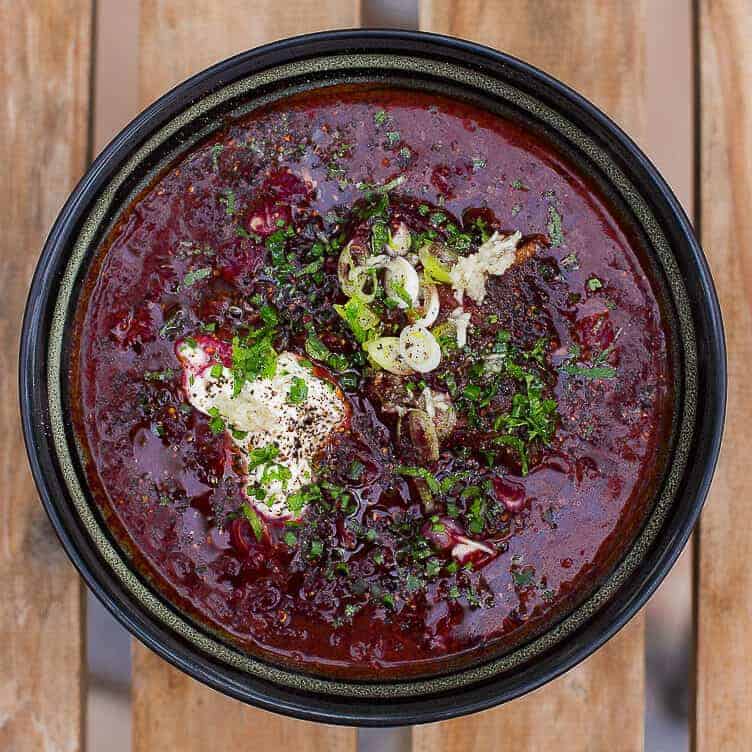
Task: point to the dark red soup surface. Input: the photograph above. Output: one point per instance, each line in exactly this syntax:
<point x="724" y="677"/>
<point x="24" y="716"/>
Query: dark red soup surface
<point x="372" y="382"/>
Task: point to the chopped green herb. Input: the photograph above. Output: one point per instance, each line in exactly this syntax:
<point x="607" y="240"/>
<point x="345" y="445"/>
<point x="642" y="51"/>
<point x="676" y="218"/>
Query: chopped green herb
<point x="392" y="137"/>
<point x="369" y="188"/>
<point x="317" y="548"/>
<point x="413" y="583"/>
<point x="477" y="515"/>
<point x="355" y="471"/>
<point x="195" y="275"/>
<point x="571" y="262"/>
<point x="262" y="455"/>
<point x="594" y="284"/>
<point x="472" y="392"/>
<point x="216" y="150"/>
<point x="290" y="538"/>
<point x="555" y="232"/>
<point x="217" y="423"/>
<point x="229" y="201"/>
<point x="363" y="322"/>
<point x="276" y="473"/>
<point x="252" y="358"/>
<point x="298" y="391"/>
<point x="419" y="472"/>
<point x="316" y="349"/>
<point x="165" y="375"/>
<point x="276" y="243"/>
<point x="379" y="236"/>
<point x="590" y="372"/>
<point x="254" y="520"/>
<point x="523" y="577"/>
<point x="269" y="315"/>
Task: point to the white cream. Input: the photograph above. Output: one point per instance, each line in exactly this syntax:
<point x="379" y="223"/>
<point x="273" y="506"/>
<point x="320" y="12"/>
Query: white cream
<point x="263" y="411"/>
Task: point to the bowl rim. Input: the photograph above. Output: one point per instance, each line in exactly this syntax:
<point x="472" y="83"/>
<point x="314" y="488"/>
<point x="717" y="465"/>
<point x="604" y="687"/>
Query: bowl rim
<point x="46" y="473"/>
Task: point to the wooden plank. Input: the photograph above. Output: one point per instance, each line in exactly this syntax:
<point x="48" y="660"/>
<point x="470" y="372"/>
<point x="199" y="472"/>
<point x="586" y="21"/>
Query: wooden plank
<point x="724" y="578"/>
<point x="201" y="32"/>
<point x="44" y="110"/>
<point x="600" y="704"/>
<point x="171" y="711"/>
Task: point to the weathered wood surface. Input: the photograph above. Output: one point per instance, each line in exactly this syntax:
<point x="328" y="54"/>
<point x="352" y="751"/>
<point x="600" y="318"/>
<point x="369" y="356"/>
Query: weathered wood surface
<point x="600" y="704"/>
<point x="723" y="720"/>
<point x="180" y="38"/>
<point x="45" y="52"/>
<point x="170" y="710"/>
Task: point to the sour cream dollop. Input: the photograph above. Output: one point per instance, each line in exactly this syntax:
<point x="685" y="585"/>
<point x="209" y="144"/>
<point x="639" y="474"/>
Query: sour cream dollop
<point x="264" y="414"/>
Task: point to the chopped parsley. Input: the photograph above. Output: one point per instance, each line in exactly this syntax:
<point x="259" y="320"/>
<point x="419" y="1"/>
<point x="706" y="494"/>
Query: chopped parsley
<point x="253" y="357"/>
<point x="555" y="232"/>
<point x="356" y="469"/>
<point x="523" y="578"/>
<point x="164" y="375"/>
<point x="419" y="472"/>
<point x="229" y="202"/>
<point x="195" y="275"/>
<point x="262" y="455"/>
<point x="316" y="348"/>
<point x="216" y="150"/>
<point x="531" y="418"/>
<point x="598" y="368"/>
<point x="316" y="549"/>
<point x="298" y="391"/>
<point x="217" y="423"/>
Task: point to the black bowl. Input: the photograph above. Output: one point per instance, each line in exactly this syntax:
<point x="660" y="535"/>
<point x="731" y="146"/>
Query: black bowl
<point x="496" y="81"/>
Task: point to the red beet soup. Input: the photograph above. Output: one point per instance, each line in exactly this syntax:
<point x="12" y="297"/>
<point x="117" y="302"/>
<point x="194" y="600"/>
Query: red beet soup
<point x="372" y="383"/>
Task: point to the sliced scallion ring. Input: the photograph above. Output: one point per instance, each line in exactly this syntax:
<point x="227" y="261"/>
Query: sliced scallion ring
<point x="430" y="306"/>
<point x="385" y="353"/>
<point x="419" y="349"/>
<point x="402" y="282"/>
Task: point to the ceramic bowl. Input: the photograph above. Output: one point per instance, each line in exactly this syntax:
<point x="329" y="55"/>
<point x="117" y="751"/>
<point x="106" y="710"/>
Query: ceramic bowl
<point x="502" y="84"/>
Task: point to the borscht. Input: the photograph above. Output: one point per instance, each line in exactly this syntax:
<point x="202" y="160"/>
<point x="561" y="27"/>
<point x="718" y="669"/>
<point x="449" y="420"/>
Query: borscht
<point x="372" y="382"/>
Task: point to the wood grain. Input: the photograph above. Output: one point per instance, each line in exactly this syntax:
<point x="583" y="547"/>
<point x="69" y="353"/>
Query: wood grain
<point x="599" y="48"/>
<point x="181" y="38"/>
<point x="170" y="710"/>
<point x="44" y="109"/>
<point x="724" y="576"/>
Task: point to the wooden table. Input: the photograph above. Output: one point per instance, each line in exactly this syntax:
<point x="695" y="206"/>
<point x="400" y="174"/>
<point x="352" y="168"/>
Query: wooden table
<point x="599" y="47"/>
